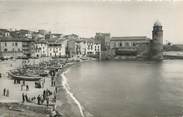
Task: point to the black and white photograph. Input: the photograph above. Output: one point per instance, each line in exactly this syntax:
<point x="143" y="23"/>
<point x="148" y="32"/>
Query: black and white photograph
<point x="91" y="58"/>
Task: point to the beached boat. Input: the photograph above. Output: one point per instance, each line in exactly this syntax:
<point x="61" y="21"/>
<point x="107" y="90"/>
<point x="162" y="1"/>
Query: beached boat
<point x="16" y="76"/>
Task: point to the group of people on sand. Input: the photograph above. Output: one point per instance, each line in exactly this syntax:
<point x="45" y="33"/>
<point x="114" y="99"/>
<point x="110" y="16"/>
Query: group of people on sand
<point x="23" y="85"/>
<point x="44" y="97"/>
<point x="6" y="92"/>
<point x="40" y="99"/>
<point x="25" y="98"/>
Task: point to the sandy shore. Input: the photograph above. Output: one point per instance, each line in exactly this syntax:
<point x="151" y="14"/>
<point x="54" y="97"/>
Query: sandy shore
<point x="21" y="110"/>
<point x="66" y="104"/>
<point x="12" y="106"/>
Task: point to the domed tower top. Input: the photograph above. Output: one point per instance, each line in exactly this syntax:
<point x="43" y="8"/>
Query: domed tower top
<point x="157" y="26"/>
<point x="157" y="23"/>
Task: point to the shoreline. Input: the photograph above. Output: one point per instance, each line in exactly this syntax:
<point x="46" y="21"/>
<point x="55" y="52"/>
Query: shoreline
<point x="67" y="104"/>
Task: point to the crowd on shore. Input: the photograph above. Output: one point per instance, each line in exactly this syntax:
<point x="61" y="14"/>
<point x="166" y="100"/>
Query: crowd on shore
<point x="42" y="93"/>
<point x="38" y="93"/>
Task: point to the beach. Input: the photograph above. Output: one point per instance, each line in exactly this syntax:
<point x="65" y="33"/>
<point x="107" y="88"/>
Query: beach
<point x="66" y="104"/>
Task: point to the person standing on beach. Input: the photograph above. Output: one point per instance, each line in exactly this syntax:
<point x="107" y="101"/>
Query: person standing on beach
<point x="38" y="99"/>
<point x="44" y="95"/>
<point x="26" y="98"/>
<point x="47" y="101"/>
<point x="7" y="93"/>
<point x="23" y="98"/>
<point x="4" y="92"/>
<point x="27" y="87"/>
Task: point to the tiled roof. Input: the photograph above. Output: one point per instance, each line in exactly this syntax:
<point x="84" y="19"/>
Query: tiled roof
<point x="56" y="40"/>
<point x="9" y="39"/>
<point x="130" y="38"/>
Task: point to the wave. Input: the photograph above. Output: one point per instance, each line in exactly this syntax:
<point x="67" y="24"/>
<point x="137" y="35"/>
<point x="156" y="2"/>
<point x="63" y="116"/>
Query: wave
<point x="67" y="89"/>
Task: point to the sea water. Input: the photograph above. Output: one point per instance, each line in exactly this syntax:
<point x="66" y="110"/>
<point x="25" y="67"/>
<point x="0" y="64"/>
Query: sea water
<point x="128" y="89"/>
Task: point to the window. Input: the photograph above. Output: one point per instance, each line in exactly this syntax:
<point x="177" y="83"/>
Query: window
<point x="5" y="50"/>
<point x="19" y="49"/>
<point x="120" y="44"/>
<point x="16" y="43"/>
<point x="5" y="44"/>
<point x="127" y="44"/>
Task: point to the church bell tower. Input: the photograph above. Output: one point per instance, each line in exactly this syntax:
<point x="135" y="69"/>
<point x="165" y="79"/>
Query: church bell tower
<point x="157" y="41"/>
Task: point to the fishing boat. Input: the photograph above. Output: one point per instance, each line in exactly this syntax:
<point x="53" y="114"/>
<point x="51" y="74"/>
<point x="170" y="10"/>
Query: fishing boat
<point x="17" y="76"/>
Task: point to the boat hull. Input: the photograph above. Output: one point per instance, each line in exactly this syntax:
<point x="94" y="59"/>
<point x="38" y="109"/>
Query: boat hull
<point x="26" y="78"/>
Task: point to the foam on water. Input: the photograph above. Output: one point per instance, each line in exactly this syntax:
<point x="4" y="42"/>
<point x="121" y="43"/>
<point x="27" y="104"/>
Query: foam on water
<point x="67" y="89"/>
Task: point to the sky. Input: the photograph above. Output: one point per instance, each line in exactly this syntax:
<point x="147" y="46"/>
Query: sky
<point x="85" y="18"/>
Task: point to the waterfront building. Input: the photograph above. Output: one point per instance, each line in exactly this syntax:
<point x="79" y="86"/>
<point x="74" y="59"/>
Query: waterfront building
<point x="157" y="42"/>
<point x="14" y="47"/>
<point x="93" y="47"/>
<point x="40" y="48"/>
<point x="71" y="48"/>
<point x="57" y="48"/>
<point x="104" y="40"/>
<point x="131" y="46"/>
<point x="28" y="47"/>
<point x="83" y="47"/>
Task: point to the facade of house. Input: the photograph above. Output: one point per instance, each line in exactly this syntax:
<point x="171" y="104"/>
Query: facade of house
<point x="104" y="40"/>
<point x="14" y="48"/>
<point x="57" y="48"/>
<point x="71" y="48"/>
<point x="83" y="47"/>
<point x="93" y="47"/>
<point x="132" y="45"/>
<point x="40" y="48"/>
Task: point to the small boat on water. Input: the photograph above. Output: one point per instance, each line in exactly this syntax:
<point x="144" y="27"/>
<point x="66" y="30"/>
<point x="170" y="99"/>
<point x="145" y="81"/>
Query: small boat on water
<point x="15" y="75"/>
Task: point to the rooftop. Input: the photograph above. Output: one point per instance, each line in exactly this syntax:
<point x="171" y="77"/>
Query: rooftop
<point x="130" y="38"/>
<point x="9" y="39"/>
<point x="157" y="23"/>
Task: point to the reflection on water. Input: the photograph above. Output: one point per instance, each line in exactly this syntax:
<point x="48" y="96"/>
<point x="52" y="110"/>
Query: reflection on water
<point x="129" y="89"/>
